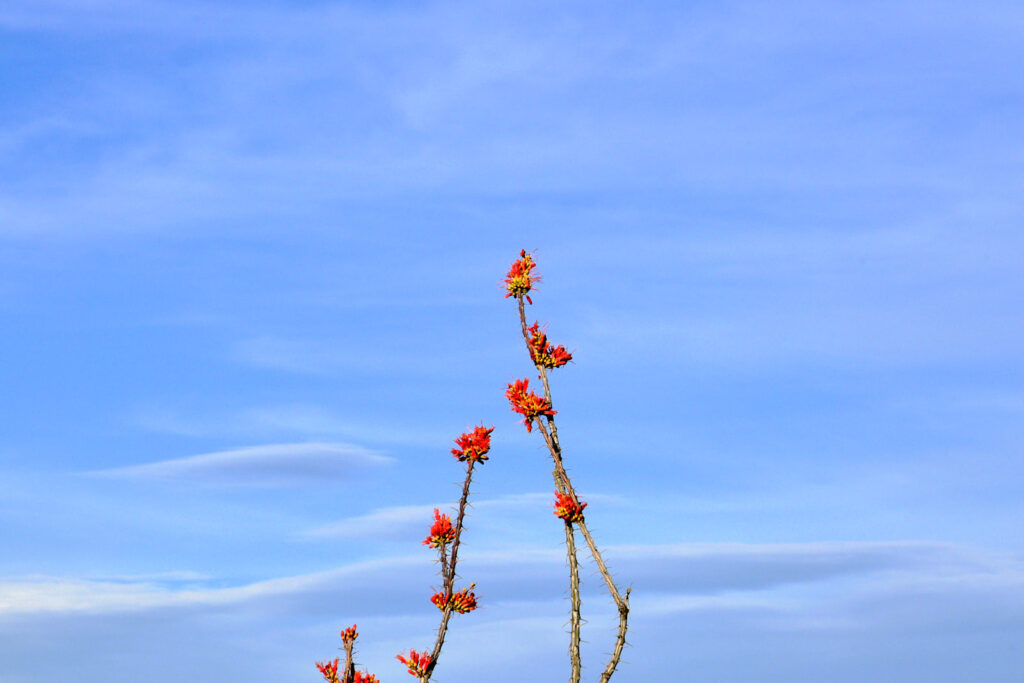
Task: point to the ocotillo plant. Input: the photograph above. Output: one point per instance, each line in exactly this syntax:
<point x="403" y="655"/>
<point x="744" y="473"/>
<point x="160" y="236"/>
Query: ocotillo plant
<point x="472" y="447"/>
<point x="539" y="410"/>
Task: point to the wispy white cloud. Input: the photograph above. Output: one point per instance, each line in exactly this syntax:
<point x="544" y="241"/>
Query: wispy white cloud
<point x="53" y="594"/>
<point x="251" y="423"/>
<point x="401" y="520"/>
<point x="971" y="401"/>
<point x="379" y="523"/>
<point x="351" y="355"/>
<point x="298" y="420"/>
<point x="878" y="296"/>
<point x="273" y="464"/>
<point x="682" y="569"/>
<point x="806" y="603"/>
<point x="179" y="576"/>
<point x="306" y="357"/>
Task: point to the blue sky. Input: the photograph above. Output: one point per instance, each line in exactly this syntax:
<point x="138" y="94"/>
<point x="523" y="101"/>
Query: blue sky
<point x="250" y="267"/>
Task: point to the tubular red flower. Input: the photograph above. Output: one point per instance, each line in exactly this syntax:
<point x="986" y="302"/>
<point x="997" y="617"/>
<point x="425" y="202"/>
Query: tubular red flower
<point x="349" y="634"/>
<point x="473" y="445"/>
<point x="527" y="403"/>
<point x="544" y="354"/>
<point x="519" y="280"/>
<point x="463" y="601"/>
<point x="567" y="509"/>
<point x="365" y="677"/>
<point x="329" y="670"/>
<point x="417" y="662"/>
<point x="441" y="532"/>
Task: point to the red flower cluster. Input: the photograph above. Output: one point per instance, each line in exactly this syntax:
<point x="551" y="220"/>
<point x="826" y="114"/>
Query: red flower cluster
<point x="441" y="532"/>
<point x="567" y="509"/>
<point x="329" y="670"/>
<point x="416" y="661"/>
<point x="473" y="445"/>
<point x="527" y="403"/>
<point x="520" y="279"/>
<point x="462" y="602"/>
<point x="546" y="355"/>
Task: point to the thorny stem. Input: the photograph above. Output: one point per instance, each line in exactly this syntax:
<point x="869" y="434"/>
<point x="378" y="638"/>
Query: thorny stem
<point x="621" y="602"/>
<point x="574" y="592"/>
<point x="458" y="524"/>
<point x="350" y="666"/>
<point x="448" y="573"/>
<point x="561" y="476"/>
<point x="564" y="485"/>
<point x="620" y="639"/>
<point x="444" y="565"/>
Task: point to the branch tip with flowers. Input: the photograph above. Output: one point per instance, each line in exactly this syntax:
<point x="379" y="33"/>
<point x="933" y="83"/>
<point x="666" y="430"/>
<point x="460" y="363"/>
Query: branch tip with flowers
<point x="539" y="410"/>
<point x="472" y="448"/>
<point x="417" y="663"/>
<point x="348" y="672"/>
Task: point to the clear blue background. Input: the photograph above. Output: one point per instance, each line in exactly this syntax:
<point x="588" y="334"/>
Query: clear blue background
<point x="250" y="289"/>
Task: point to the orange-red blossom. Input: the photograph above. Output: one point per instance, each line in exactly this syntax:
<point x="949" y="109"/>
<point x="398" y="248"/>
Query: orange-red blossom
<point x="544" y="354"/>
<point x="329" y="670"/>
<point x="441" y="532"/>
<point x="417" y="662"/>
<point x="349" y="634"/>
<point x="568" y="509"/>
<point x="461" y="602"/>
<point x="474" y="445"/>
<point x="519" y="280"/>
<point x="527" y="403"/>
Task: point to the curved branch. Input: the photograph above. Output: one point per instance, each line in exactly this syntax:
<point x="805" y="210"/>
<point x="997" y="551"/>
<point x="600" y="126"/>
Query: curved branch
<point x="564" y="484"/>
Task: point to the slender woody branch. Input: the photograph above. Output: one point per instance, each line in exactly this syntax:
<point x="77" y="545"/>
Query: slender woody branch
<point x="564" y="485"/>
<point x="350" y="665"/>
<point x="575" y="621"/>
<point x="448" y="574"/>
<point x="443" y="559"/>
